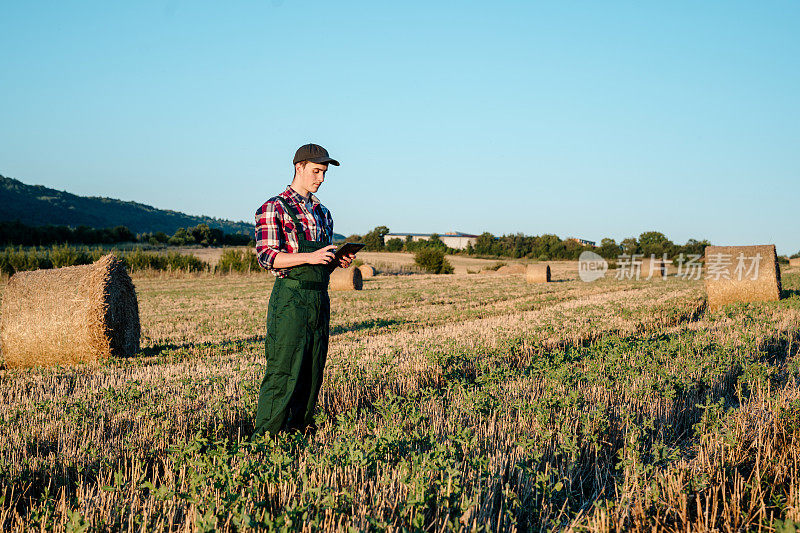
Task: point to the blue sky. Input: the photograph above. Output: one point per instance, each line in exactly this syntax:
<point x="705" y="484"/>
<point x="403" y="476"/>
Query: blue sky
<point x="589" y="119"/>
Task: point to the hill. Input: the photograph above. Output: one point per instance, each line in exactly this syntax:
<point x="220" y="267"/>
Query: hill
<point x="36" y="205"/>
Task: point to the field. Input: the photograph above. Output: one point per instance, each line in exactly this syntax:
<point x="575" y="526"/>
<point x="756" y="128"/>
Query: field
<point x="386" y="261"/>
<point x="465" y="401"/>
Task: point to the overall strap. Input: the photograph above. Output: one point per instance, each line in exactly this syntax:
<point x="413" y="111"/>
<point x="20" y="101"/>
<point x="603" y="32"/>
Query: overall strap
<point x="301" y="234"/>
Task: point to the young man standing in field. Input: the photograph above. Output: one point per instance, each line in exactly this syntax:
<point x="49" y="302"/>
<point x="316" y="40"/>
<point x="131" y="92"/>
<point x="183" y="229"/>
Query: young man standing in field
<point x="293" y="240"/>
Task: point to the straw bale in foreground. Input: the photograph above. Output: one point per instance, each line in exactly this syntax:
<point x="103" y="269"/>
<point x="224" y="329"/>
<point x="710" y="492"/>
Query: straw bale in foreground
<point x="346" y="279"/>
<point x="741" y="274"/>
<point x="69" y="315"/>
<point x="538" y="273"/>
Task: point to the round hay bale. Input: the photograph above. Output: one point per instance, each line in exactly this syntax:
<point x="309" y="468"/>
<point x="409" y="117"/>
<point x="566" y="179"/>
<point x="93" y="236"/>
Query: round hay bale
<point x="346" y="279"/>
<point x="653" y="269"/>
<point x="69" y="315"/>
<point x="367" y="271"/>
<point x="795" y="262"/>
<point x="538" y="273"/>
<point x="515" y="268"/>
<point x="741" y="274"/>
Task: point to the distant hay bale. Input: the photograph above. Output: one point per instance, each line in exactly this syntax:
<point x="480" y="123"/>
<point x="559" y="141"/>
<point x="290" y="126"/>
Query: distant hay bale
<point x="367" y="271"/>
<point x="515" y="268"/>
<point x="653" y="269"/>
<point x="538" y="273"/>
<point x="346" y="279"/>
<point x="741" y="274"/>
<point x="795" y="262"/>
<point x="69" y="315"/>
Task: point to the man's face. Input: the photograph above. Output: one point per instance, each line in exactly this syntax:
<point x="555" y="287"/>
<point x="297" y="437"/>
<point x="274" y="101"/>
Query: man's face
<point x="311" y="176"/>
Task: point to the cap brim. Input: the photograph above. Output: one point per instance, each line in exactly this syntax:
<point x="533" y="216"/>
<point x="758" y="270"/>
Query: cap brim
<point x="321" y="160"/>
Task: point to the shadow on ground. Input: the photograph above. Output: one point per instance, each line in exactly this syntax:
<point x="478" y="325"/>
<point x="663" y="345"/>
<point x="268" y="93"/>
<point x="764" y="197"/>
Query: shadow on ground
<point x="158" y="349"/>
<point x="375" y="323"/>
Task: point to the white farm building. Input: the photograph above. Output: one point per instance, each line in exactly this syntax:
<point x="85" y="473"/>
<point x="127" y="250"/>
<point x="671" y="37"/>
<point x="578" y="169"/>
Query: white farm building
<point x="452" y="239"/>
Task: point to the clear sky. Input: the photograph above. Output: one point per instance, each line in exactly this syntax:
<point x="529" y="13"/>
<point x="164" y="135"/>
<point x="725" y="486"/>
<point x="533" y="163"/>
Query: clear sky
<point x="588" y="119"/>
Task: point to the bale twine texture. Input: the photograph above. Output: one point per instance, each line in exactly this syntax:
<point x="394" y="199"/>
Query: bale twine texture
<point x="741" y="274"/>
<point x="516" y="268"/>
<point x="653" y="269"/>
<point x="346" y="279"/>
<point x="367" y="271"/>
<point x="80" y="314"/>
<point x="538" y="273"/>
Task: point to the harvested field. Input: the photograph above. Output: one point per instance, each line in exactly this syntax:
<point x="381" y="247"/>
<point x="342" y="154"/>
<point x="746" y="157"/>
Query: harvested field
<point x="453" y="401"/>
<point x="399" y="261"/>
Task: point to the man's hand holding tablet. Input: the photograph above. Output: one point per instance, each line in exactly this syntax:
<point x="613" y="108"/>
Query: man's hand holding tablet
<point x="345" y="254"/>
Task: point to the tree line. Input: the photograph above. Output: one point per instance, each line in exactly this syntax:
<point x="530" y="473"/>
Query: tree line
<point x="19" y="234"/>
<point x="542" y="247"/>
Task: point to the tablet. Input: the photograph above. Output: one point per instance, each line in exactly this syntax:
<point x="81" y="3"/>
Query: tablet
<point x="347" y="249"/>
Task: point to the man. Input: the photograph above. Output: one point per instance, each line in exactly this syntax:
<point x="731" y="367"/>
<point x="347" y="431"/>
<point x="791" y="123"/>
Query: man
<point x="293" y="240"/>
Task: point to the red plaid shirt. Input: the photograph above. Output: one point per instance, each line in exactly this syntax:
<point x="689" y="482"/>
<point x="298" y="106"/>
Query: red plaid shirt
<point x="275" y="231"/>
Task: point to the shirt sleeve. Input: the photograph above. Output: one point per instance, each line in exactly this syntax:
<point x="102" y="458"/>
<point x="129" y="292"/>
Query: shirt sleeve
<point x="328" y="219"/>
<point x="269" y="234"/>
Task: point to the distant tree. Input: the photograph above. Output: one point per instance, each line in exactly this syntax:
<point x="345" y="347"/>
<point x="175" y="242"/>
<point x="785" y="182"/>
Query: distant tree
<point x="435" y="242"/>
<point x="484" y="244"/>
<point x="609" y="248"/>
<point x="433" y="260"/>
<point x="548" y="245"/>
<point x="237" y="239"/>
<point x="373" y="240"/>
<point x="394" y="245"/>
<point x="695" y="247"/>
<point x="217" y="237"/>
<point x="655" y="243"/>
<point x="180" y="238"/>
<point x="629" y="246"/>
<point x="573" y="249"/>
<point x="122" y="234"/>
<point x="201" y="234"/>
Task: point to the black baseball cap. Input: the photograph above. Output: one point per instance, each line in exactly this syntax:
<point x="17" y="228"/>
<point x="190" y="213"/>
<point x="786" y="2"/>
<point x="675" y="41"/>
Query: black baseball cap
<point x="314" y="153"/>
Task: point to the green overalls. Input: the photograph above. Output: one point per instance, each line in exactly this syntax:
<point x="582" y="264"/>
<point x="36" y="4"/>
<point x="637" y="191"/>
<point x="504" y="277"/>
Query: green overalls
<point x="298" y="318"/>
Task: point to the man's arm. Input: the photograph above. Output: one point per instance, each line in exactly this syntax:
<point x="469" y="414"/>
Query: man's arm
<point x="320" y="257"/>
<point x="345" y="261"/>
<point x="269" y="236"/>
